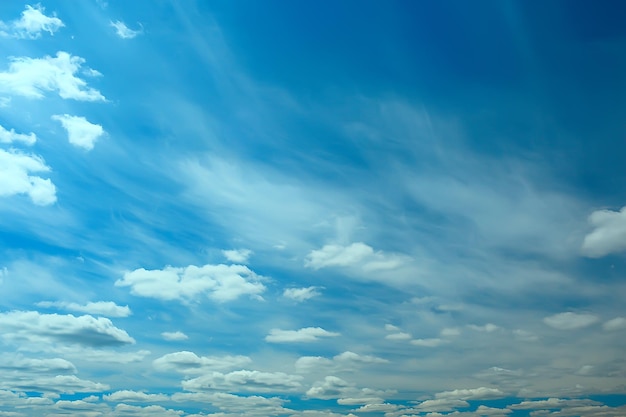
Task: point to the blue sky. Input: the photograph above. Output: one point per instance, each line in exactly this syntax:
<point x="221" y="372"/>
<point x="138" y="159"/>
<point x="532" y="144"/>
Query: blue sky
<point x="312" y="209"/>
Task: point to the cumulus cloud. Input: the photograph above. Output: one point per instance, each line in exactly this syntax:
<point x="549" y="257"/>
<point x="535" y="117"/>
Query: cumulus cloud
<point x="608" y="234"/>
<point x="172" y="336"/>
<point x="80" y="132"/>
<point x="355" y="254"/>
<point x="487" y="328"/>
<point x="330" y="387"/>
<point x="134" y="396"/>
<point x="433" y="342"/>
<point x="30" y="25"/>
<point x="244" y="380"/>
<point x="220" y="283"/>
<point x="31" y="77"/>
<point x="304" y="335"/>
<point x="344" y="361"/>
<point x="618" y="323"/>
<point x="66" y="384"/>
<point x="398" y="336"/>
<point x="188" y="363"/>
<point x="16" y="178"/>
<point x="481" y="393"/>
<point x="240" y="256"/>
<point x="32" y="326"/>
<point x="570" y="321"/>
<point x="124" y="31"/>
<point x="10" y="136"/>
<point x="19" y="363"/>
<point x="252" y="405"/>
<point x="101" y="308"/>
<point x="301" y="294"/>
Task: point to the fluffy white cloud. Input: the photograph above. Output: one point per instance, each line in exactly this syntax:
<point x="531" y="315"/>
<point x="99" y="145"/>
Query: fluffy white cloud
<point x="301" y="294"/>
<point x="125" y="410"/>
<point x="32" y="326"/>
<point x="434" y="342"/>
<point x="570" y="321"/>
<point x="172" y="336"/>
<point x="80" y="132"/>
<point x="481" y="393"/>
<point x="68" y="384"/>
<point x="30" y="25"/>
<point x="237" y="255"/>
<point x="124" y="31"/>
<point x="31" y="77"/>
<point x="608" y="235"/>
<point x="102" y="308"/>
<point x="344" y="361"/>
<point x="220" y="283"/>
<point x="134" y="396"/>
<point x="15" y="178"/>
<point x="552" y="403"/>
<point x="253" y="405"/>
<point x="306" y="334"/>
<point x="440" y="404"/>
<point x="19" y="363"/>
<point x="330" y="387"/>
<point x="355" y="254"/>
<point x="189" y="363"/>
<point x="487" y="328"/>
<point x="10" y="136"/>
<point x="618" y="323"/>
<point x="399" y="336"/>
<point x="244" y="380"/>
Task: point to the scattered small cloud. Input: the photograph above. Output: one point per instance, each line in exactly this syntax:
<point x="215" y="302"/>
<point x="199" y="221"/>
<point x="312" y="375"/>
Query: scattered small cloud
<point x="102" y="308"/>
<point x="188" y="363"/>
<point x="31" y="77"/>
<point x="486" y="328"/>
<point x="237" y="255"/>
<point x="31" y="24"/>
<point x="134" y="396"/>
<point x="355" y="254"/>
<point x="80" y="132"/>
<point x="570" y="321"/>
<point x="618" y="323"/>
<point x="15" y="177"/>
<point x="10" y="136"/>
<point x="244" y="381"/>
<point x="433" y="342"/>
<point x="608" y="235"/>
<point x="221" y="283"/>
<point x="304" y="335"/>
<point x="301" y="294"/>
<point x="174" y="336"/>
<point x="124" y="31"/>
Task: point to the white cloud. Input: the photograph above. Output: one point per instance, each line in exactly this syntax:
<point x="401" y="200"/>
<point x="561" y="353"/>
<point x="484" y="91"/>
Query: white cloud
<point x="398" y="336"/>
<point x="301" y="294"/>
<point x="304" y="335"/>
<point x="19" y="363"/>
<point x="80" y="132"/>
<point x="34" y="327"/>
<point x="102" y="308"/>
<point x="608" y="235"/>
<point x="237" y="255"/>
<point x="618" y="323"/>
<point x="450" y="332"/>
<point x="31" y="24"/>
<point x="440" y="404"/>
<point x="253" y="405"/>
<point x="124" y="31"/>
<point x="570" y="321"/>
<point x="68" y="384"/>
<point x="186" y="362"/>
<point x="125" y="410"/>
<point x="355" y="254"/>
<point x="10" y="136"/>
<point x="481" y="393"/>
<point x="172" y="336"/>
<point x="346" y="361"/>
<point x="15" y="178"/>
<point x="133" y="396"/>
<point x="30" y="77"/>
<point x="220" y="283"/>
<point x="331" y="387"/>
<point x="487" y="328"/>
<point x="244" y="380"/>
<point x="434" y="342"/>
